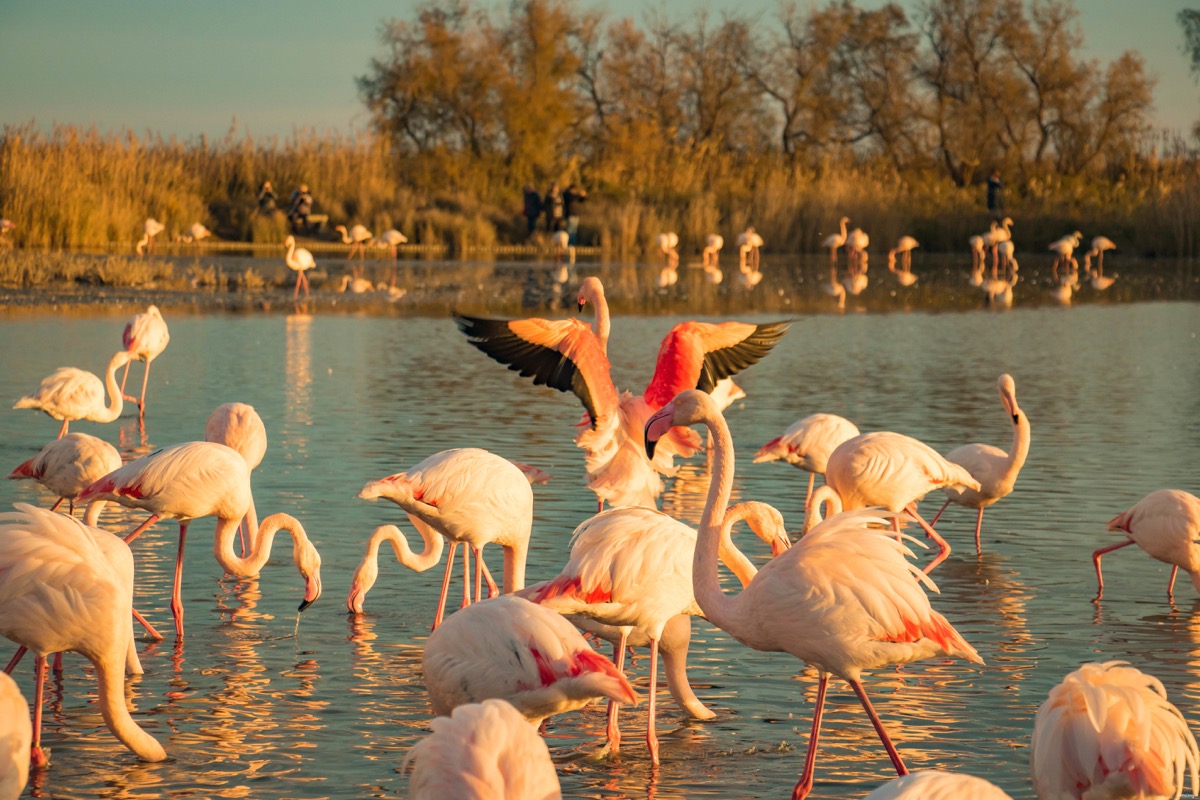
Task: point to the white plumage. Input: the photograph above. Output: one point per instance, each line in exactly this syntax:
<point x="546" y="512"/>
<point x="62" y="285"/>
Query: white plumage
<point x="930" y="785"/>
<point x="69" y="465"/>
<point x="16" y="734"/>
<point x="807" y="445"/>
<point x="70" y="393"/>
<point x="1166" y="524"/>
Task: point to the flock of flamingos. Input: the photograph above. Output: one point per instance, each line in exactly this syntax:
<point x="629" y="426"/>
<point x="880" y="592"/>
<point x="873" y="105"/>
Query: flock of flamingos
<point x="846" y="597"/>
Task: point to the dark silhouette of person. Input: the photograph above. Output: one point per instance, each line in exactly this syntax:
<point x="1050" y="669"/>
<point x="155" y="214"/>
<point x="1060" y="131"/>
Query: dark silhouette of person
<point x="266" y="200"/>
<point x="300" y="208"/>
<point x="533" y="207"/>
<point x="573" y="198"/>
<point x="995" y="194"/>
<point x="552" y="204"/>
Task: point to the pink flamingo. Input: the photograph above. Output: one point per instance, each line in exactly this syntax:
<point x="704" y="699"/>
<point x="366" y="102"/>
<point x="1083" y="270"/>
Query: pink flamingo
<point x="66" y="589"/>
<point x="471" y="497"/>
<point x="484" y="744"/>
<point x="889" y="470"/>
<point x="930" y="785"/>
<point x="357" y="237"/>
<point x="150" y="228"/>
<point x="515" y="650"/>
<point x="16" y="739"/>
<point x="835" y="241"/>
<point x="69" y="394"/>
<point x="904" y="246"/>
<point x="69" y="465"/>
<point x="239" y="426"/>
<point x="570" y="356"/>
<point x="843" y="599"/>
<point x="711" y="255"/>
<point x="1108" y="731"/>
<point x="807" y="445"/>
<point x="1164" y="523"/>
<point x="145" y="337"/>
<point x="300" y="260"/>
<point x="995" y="469"/>
<point x="205" y="479"/>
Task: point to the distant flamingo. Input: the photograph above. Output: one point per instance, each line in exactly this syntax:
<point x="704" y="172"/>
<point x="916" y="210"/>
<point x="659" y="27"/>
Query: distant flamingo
<point x="1064" y="248"/>
<point x="196" y="233"/>
<point x="843" y="599"/>
<point x="904" y="247"/>
<point x="711" y="256"/>
<point x="889" y="470"/>
<point x="511" y="649"/>
<point x="857" y="242"/>
<point x="995" y="469"/>
<point x="749" y="243"/>
<point x="1000" y="234"/>
<point x="355" y="285"/>
<point x="570" y="356"/>
<point x="807" y="445"/>
<point x="298" y="259"/>
<point x="6" y="225"/>
<point x="563" y="249"/>
<point x="16" y="739"/>
<point x="62" y="593"/>
<point x="1108" y="731"/>
<point x="470" y="496"/>
<point x="145" y="337"/>
<point x="150" y="228"/>
<point x="205" y="479"/>
<point x="391" y="239"/>
<point x="69" y="465"/>
<point x="930" y="785"/>
<point x="482" y="749"/>
<point x="978" y="257"/>
<point x="1166" y="524"/>
<point x="69" y="394"/>
<point x="667" y="244"/>
<point x="357" y="237"/>
<point x="239" y="426"/>
<point x="1099" y="282"/>
<point x="836" y="240"/>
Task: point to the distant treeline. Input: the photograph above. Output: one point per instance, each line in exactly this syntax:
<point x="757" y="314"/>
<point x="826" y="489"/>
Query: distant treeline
<point x="785" y="123"/>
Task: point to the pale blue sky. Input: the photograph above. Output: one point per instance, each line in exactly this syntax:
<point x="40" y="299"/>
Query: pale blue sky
<point x="182" y="69"/>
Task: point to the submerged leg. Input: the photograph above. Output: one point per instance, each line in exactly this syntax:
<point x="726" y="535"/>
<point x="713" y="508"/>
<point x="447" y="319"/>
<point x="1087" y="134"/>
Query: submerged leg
<point x="614" y="708"/>
<point x="978" y="528"/>
<point x="177" y="593"/>
<point x="810" y="759"/>
<point x="651" y="733"/>
<point x="883" y="737"/>
<point x="37" y="756"/>
<point x="932" y="534"/>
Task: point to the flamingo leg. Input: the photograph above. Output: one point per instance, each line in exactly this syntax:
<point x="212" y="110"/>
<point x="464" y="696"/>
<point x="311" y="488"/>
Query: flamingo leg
<point x="466" y="601"/>
<point x="441" y="606"/>
<point x="804" y="786"/>
<point x="879" y="729"/>
<point x="242" y="535"/>
<point x="63" y="430"/>
<point x="16" y="659"/>
<point x="140" y="529"/>
<point x="812" y="479"/>
<point x="978" y="528"/>
<point x="1096" y="556"/>
<point x="149" y="628"/>
<point x="176" y="592"/>
<point x="932" y="534"/>
<point x="37" y="756"/>
<point x="1171" y="583"/>
<point x="142" y="399"/>
<point x="651" y="733"/>
<point x="128" y="364"/>
<point x="614" y="708"/>
<point x="941" y="511"/>
<point x="478" y="573"/>
<point x="58" y="503"/>
<point x="493" y="589"/>
<point x="58" y="663"/>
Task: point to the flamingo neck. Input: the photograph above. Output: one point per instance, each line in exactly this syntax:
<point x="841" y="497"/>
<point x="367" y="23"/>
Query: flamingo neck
<point x="115" y="402"/>
<point x="716" y="605"/>
<point x="514" y="567"/>
<point x="261" y="542"/>
<point x="823" y="494"/>
<point x="843" y="227"/>
<point x="729" y="554"/>
<point x="418" y="562"/>
<point x="603" y="321"/>
<point x="110" y="679"/>
<point x="1019" y="450"/>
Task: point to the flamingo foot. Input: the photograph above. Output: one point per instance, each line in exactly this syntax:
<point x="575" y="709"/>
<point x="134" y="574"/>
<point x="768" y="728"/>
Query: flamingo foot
<point x="39" y="757"/>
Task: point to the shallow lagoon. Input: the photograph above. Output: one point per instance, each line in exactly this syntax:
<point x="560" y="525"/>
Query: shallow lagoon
<point x="247" y="709"/>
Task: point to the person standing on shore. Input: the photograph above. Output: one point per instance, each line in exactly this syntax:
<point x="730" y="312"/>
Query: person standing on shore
<point x="995" y="194"/>
<point x="553" y="206"/>
<point x="573" y="198"/>
<point x="300" y="208"/>
<point x="533" y="207"/>
<point x="266" y="200"/>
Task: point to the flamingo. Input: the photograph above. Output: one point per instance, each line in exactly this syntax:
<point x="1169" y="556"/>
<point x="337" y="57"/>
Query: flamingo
<point x="1108" y="731"/>
<point x="65" y="590"/>
<point x="563" y="247"/>
<point x="978" y="257"/>
<point x="511" y="649"/>
<point x="150" y="228"/>
<point x="16" y="739"/>
<point x="836" y="240"/>
<point x="930" y="785"/>
<point x="1099" y="245"/>
<point x="356" y="237"/>
<point x="239" y="426"/>
<point x="904" y="246"/>
<point x="1000" y="234"/>
<point x="205" y="479"/>
<point x="711" y="255"/>
<point x="995" y="470"/>
<point x="807" y="445"/>
<point x="1164" y="523"/>
<point x="391" y="239"/>
<point x="196" y="233"/>
<point x="667" y="244"/>
<point x="145" y="337"/>
<point x="857" y="242"/>
<point x="298" y="259"/>
<point x="630" y="569"/>
<point x="355" y="285"/>
<point x="6" y="225"/>
<point x="1064" y="248"/>
<point x="69" y="465"/>
<point x="843" y="599"/>
<point x="482" y="749"/>
<point x="568" y="355"/>
<point x="749" y="243"/>
<point x="889" y="470"/>
<point x="1099" y="282"/>
<point x="471" y="497"/>
<point x="70" y="394"/>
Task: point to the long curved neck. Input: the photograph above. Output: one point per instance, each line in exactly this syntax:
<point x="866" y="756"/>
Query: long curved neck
<point x="717" y="607"/>
<point x="110" y="679"/>
<point x="823" y="494"/>
<point x="291" y="253"/>
<point x="418" y="562"/>
<point x="843" y="229"/>
<point x="115" y="404"/>
<point x="733" y="558"/>
<point x="260" y="544"/>
<point x="1020" y="447"/>
<point x="603" y="321"/>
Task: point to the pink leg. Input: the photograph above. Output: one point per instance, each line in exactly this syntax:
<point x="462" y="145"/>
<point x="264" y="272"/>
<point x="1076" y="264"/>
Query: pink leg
<point x="932" y="534"/>
<point x="140" y="529"/>
<point x="441" y="606"/>
<point x="478" y="573"/>
<point x="466" y="601"/>
<point x="493" y="589"/>
<point x="810" y="759"/>
<point x="16" y="659"/>
<point x="614" y="729"/>
<point x="177" y="592"/>
<point x="883" y="737"/>
<point x="63" y="430"/>
<point x="37" y="756"/>
<point x="242" y="535"/>
<point x="978" y="527"/>
<point x="812" y="478"/>
<point x="125" y="376"/>
<point x="1171" y="584"/>
<point x="142" y="400"/>
<point x="58" y="662"/>
<point x="941" y="511"/>
<point x="651" y="733"/>
<point x="149" y="628"/>
<point x="57" y="503"/>
<point x="1096" y="556"/>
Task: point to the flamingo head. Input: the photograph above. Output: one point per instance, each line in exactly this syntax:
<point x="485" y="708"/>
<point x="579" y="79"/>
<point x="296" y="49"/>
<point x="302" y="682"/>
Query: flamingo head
<point x="308" y="561"/>
<point x="1008" y="396"/>
<point x="23" y="470"/>
<point x="394" y="487"/>
<point x="688" y="408"/>
<point x="364" y="579"/>
<point x="772" y="451"/>
<point x="590" y="290"/>
<point x="289" y="241"/>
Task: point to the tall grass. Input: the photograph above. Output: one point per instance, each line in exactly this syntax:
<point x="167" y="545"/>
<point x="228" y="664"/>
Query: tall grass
<point x="79" y="189"/>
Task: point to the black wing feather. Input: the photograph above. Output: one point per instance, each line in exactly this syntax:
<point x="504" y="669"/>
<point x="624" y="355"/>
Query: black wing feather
<point x="729" y="361"/>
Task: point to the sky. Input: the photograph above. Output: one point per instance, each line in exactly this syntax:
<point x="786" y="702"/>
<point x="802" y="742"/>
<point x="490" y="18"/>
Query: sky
<point x="181" y="69"/>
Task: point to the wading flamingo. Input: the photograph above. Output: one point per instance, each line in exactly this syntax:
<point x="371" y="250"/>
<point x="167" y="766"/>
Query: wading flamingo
<point x="667" y="244"/>
<point x="69" y="465"/>
<point x="889" y="470"/>
<point x="630" y="569"/>
<point x="357" y="237"/>
<point x="356" y="285"/>
<point x="1099" y="282"/>
<point x="144" y="338"/>
<point x="195" y="234"/>
<point x="1064" y="249"/>
<point x="1099" y="245"/>
<point x="835" y="241"/>
<point x="978" y="258"/>
<point x="511" y="649"/>
<point x="239" y="426"/>
<point x="205" y="479"/>
<point x="749" y="243"/>
<point x="471" y="497"/>
<point x="857" y="242"/>
<point x="62" y="591"/>
<point x="482" y="749"/>
<point x="904" y="247"/>
<point x="807" y="445"/>
<point x="391" y="239"/>
<point x="995" y="469"/>
<point x="16" y="739"/>
<point x="843" y="599"/>
<point x="563" y="249"/>
<point x="1166" y="524"/>
<point x="150" y="228"/>
<point x="300" y="260"/>
<point x="69" y="394"/>
<point x="1000" y="234"/>
<point x="930" y="785"/>
<point x="711" y="255"/>
<point x="570" y="356"/>
<point x="1108" y="731"/>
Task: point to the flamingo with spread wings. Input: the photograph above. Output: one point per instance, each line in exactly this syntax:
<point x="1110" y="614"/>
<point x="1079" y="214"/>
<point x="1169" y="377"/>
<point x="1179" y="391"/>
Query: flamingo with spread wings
<point x="571" y="356"/>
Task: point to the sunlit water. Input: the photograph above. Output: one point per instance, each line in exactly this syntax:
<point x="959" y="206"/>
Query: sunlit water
<point x="246" y="709"/>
